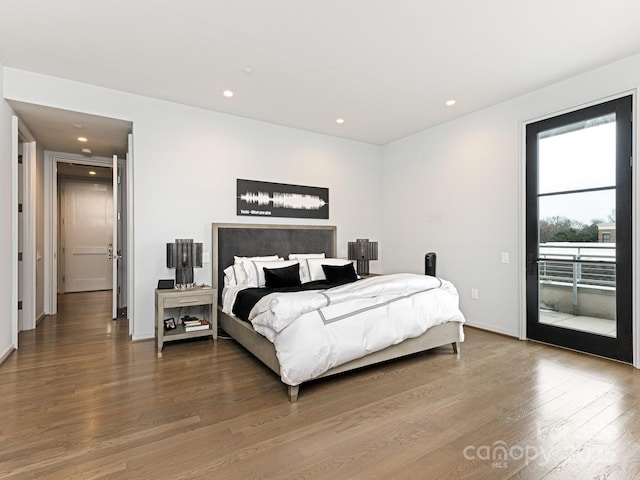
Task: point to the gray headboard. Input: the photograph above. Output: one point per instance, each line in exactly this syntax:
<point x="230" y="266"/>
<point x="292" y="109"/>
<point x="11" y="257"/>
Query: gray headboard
<point x="246" y="240"/>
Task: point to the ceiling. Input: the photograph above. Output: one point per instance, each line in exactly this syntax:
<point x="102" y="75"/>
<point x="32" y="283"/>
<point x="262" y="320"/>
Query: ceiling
<point x="385" y="66"/>
<point x="58" y="130"/>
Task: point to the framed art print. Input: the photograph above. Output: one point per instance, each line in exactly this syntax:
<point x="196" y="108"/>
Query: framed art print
<point x="266" y="199"/>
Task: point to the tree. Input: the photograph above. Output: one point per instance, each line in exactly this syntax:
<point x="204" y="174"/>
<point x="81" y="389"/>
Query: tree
<point x="549" y="227"/>
<point x="563" y="229"/>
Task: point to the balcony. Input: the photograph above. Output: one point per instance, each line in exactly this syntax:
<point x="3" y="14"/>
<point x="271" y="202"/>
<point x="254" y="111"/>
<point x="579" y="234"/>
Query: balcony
<point x="577" y="286"/>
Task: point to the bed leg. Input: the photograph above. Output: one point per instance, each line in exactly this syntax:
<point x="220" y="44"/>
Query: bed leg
<point x="292" y="392"/>
<point x="455" y="347"/>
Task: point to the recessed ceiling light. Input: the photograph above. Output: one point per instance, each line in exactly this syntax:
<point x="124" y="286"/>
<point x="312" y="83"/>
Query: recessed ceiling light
<point x="82" y="139"/>
<point x="247" y="69"/>
<point x="450" y="103"/>
<point x="91" y="172"/>
<point x="86" y="151"/>
<point x="340" y="121"/>
<point x="228" y="93"/>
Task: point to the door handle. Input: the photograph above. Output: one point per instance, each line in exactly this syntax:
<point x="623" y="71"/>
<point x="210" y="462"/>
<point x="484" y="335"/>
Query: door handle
<point x="532" y="261"/>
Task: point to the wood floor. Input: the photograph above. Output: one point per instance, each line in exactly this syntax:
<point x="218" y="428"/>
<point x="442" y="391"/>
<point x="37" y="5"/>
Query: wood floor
<point x="80" y="401"/>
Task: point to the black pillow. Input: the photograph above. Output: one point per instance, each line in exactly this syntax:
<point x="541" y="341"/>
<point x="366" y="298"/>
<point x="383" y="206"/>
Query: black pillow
<point x="282" y="277"/>
<point x="340" y="273"/>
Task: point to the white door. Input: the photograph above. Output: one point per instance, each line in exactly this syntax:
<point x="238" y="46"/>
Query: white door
<point x="20" y="236"/>
<point x="87" y="223"/>
<point x="14" y="230"/>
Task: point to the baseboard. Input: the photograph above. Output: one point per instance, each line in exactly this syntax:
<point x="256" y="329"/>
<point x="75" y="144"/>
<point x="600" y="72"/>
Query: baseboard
<point x="142" y="338"/>
<point x="491" y="329"/>
<point x="7" y="354"/>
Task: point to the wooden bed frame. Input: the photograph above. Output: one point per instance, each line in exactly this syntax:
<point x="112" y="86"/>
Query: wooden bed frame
<point x="230" y="239"/>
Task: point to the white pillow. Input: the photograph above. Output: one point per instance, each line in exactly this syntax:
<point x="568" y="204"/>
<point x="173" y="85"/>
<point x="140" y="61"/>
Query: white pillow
<point x="239" y="273"/>
<point x="266" y="258"/>
<point x="255" y="272"/>
<point x="234" y="275"/>
<point x="304" y="269"/>
<point x="315" y="266"/>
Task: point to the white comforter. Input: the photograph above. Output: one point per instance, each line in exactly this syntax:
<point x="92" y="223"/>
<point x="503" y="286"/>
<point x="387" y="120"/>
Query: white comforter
<point x="316" y="330"/>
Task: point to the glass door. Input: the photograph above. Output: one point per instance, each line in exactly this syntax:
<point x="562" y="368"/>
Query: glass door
<point x="579" y="230"/>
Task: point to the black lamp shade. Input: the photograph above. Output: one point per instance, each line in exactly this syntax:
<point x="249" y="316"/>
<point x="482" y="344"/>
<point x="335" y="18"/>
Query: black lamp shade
<point x="362" y="250"/>
<point x="183" y="255"/>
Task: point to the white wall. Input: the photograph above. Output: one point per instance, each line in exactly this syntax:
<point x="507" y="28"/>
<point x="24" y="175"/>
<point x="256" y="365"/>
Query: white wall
<point x="6" y="218"/>
<point x="456" y="189"/>
<point x="187" y="160"/>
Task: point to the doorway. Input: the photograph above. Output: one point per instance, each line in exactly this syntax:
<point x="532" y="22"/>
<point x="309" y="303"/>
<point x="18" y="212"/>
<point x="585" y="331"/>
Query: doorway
<point x="51" y="133"/>
<point x="578" y="230"/>
<point x="102" y="184"/>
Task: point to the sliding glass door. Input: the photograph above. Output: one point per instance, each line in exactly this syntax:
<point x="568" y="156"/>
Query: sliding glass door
<point x="578" y="230"/>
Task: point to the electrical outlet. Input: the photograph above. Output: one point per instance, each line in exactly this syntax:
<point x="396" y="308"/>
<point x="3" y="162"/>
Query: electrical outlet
<point x="474" y="293"/>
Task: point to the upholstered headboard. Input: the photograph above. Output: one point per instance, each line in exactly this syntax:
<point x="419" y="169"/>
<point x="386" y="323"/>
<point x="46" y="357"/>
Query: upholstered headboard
<point x="241" y="239"/>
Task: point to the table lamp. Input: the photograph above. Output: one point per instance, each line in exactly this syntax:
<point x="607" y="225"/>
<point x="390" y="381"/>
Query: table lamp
<point x="183" y="255"/>
<point x="362" y="250"/>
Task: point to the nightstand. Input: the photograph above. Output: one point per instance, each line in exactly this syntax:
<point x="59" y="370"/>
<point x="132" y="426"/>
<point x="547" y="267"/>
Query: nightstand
<point x="174" y="303"/>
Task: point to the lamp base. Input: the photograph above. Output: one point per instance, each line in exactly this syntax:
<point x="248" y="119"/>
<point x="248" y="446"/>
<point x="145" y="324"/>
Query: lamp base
<point x="184" y="277"/>
<point x="362" y="267"/>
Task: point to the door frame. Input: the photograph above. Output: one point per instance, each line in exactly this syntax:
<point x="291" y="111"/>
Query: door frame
<point x="51" y="219"/>
<point x="635" y="208"/>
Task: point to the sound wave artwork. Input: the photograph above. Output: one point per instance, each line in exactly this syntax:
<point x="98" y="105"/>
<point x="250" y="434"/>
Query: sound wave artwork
<point x="281" y="200"/>
<point x="285" y="200"/>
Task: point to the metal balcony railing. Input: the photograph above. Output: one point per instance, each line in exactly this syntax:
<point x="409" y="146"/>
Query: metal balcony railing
<point x="578" y="265"/>
<point x="583" y="264"/>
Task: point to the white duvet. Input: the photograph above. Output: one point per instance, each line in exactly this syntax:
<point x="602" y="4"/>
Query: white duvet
<point x="314" y="331"/>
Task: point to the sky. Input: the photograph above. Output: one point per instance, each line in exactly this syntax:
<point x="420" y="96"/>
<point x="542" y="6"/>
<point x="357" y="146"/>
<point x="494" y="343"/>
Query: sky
<point x="576" y="160"/>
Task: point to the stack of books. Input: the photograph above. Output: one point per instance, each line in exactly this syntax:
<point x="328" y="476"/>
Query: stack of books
<point x="192" y="324"/>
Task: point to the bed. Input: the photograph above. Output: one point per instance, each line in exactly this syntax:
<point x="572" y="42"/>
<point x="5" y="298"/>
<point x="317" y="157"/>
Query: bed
<point x="248" y="240"/>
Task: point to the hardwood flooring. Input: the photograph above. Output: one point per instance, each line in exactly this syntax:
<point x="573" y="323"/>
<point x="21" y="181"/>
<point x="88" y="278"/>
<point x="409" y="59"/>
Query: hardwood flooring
<point x="80" y="401"/>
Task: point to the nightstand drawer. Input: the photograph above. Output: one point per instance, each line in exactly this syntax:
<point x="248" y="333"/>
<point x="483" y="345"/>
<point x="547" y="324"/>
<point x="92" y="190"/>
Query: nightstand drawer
<point x="185" y="301"/>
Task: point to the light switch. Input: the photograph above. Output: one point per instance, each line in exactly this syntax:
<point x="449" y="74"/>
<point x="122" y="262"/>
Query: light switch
<point x="505" y="257"/>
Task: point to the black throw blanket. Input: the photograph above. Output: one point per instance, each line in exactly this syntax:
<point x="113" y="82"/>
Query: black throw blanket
<point x="247" y="298"/>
